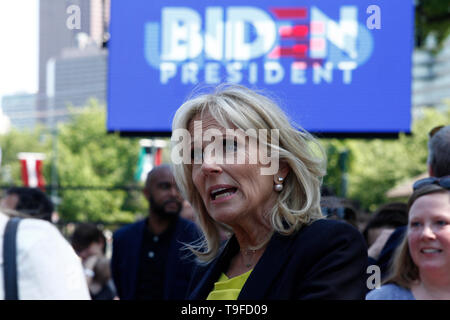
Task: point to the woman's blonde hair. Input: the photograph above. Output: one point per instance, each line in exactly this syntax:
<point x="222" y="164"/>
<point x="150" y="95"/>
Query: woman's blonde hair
<point x="237" y="106"/>
<point x="404" y="271"/>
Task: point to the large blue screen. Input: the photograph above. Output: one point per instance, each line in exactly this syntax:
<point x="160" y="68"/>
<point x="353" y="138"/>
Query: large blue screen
<point x="337" y="67"/>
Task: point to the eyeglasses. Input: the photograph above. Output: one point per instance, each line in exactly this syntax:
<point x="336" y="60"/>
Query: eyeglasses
<point x="444" y="182"/>
<point x="434" y="131"/>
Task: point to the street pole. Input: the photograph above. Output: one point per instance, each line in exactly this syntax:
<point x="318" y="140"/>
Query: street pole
<point x="343" y="165"/>
<point x="54" y="166"/>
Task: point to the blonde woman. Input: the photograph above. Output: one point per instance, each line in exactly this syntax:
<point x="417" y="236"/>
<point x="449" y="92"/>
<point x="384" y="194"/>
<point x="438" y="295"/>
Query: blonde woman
<point x="262" y="183"/>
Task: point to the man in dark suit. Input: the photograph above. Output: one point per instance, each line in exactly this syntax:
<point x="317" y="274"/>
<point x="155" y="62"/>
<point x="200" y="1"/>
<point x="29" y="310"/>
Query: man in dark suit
<point x="148" y="262"/>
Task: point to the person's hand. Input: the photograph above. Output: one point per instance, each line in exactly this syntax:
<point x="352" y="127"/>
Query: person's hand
<point x="89" y="265"/>
<point x="90" y="262"/>
<point x="375" y="249"/>
<point x="95" y="248"/>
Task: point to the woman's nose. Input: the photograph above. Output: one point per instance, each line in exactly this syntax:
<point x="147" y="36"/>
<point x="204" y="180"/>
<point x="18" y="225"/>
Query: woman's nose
<point x="427" y="233"/>
<point x="210" y="165"/>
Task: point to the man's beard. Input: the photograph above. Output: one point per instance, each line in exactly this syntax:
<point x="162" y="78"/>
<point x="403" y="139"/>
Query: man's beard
<point x="160" y="210"/>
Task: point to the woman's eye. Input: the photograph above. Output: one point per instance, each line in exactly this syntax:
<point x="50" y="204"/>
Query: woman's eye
<point x="230" y="145"/>
<point x="414" y="224"/>
<point x="441" y="223"/>
<point x="196" y="155"/>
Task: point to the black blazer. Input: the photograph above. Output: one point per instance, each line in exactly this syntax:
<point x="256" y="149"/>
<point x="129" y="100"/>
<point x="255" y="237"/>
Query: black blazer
<point x="127" y="243"/>
<point x="325" y="260"/>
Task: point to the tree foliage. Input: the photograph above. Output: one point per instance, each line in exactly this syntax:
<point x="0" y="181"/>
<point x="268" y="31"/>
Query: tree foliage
<point x="88" y="156"/>
<point x="85" y="157"/>
<point x="13" y="143"/>
<point x="432" y="16"/>
<point x="377" y="165"/>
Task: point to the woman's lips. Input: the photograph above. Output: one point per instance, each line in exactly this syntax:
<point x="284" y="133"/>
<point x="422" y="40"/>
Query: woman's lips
<point x="221" y="193"/>
<point x="223" y="197"/>
<point x="430" y="251"/>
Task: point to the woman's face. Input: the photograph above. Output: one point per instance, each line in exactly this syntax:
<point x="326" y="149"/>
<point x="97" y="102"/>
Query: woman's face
<point x="429" y="232"/>
<point x="231" y="192"/>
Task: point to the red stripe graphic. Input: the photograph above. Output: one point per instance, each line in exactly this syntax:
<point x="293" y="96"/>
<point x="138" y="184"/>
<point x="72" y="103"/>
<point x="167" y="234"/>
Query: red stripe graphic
<point x="297" y="31"/>
<point x="296" y="51"/>
<point x="290" y="13"/>
<point x="32" y="169"/>
<point x="40" y="177"/>
<point x="158" y="157"/>
<point x="24" y="170"/>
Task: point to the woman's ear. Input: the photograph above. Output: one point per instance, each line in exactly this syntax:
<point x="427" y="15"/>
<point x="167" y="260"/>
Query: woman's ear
<point x="283" y="170"/>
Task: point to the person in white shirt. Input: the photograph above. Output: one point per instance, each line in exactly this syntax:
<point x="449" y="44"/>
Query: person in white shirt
<point x="47" y="266"/>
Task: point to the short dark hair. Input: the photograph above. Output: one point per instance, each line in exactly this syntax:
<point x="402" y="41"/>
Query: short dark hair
<point x="149" y="179"/>
<point x="338" y="208"/>
<point x="390" y="215"/>
<point x="439" y="152"/>
<point x="33" y="202"/>
<point x="85" y="234"/>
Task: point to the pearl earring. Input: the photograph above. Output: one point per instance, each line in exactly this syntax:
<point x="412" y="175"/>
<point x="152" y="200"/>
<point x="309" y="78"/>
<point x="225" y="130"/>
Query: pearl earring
<point x="278" y="187"/>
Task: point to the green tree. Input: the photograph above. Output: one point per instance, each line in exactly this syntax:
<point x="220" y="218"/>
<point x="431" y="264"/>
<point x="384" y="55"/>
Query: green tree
<point x="432" y="16"/>
<point x="88" y="156"/>
<point x="12" y="144"/>
<point x="377" y="165"/>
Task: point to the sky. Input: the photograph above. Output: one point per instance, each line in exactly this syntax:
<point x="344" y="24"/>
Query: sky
<point x="18" y="46"/>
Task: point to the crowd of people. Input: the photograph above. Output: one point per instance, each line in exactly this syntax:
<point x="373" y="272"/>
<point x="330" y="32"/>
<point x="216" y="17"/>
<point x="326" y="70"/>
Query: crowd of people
<point x="255" y="226"/>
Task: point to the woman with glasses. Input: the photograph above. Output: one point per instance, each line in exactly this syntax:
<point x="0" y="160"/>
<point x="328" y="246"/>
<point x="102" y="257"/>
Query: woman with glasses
<point x="422" y="262"/>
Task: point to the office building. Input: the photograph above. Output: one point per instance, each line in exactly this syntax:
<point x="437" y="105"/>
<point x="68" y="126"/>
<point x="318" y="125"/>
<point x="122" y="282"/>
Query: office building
<point x="20" y="109"/>
<point x="431" y="77"/>
<point x="80" y="74"/>
<point x="57" y="35"/>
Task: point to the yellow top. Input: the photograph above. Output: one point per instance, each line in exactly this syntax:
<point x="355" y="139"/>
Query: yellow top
<point x="228" y="289"/>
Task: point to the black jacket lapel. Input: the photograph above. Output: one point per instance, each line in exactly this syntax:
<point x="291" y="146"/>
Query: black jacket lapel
<point x="267" y="268"/>
<point x="213" y="271"/>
